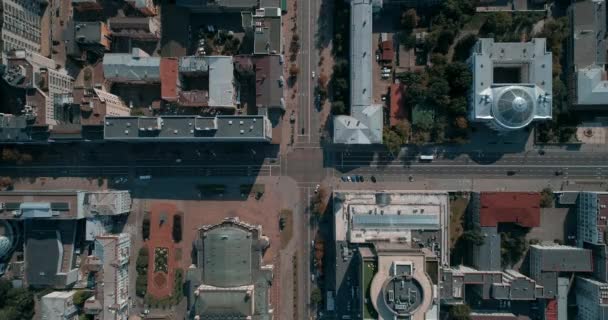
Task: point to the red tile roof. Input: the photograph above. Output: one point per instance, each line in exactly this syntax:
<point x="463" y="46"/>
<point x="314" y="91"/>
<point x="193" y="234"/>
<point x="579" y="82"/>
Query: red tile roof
<point x="387" y="51"/>
<point x="397" y="108"/>
<point x="522" y="208"/>
<point x="168" y="78"/>
<point x="551" y="312"/>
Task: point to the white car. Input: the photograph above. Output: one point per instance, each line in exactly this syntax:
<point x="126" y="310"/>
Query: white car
<point x="317" y="188"/>
<point x="313" y="74"/>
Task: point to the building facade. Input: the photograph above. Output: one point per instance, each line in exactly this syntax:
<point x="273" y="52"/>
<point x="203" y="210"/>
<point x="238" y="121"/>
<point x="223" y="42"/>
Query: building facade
<point x="111" y="299"/>
<point x="591" y="299"/>
<point x="21" y="21"/>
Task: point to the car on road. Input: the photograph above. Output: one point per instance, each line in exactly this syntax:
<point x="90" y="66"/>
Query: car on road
<point x="348" y="178"/>
<point x="361" y="179"/>
<point x="344" y="179"/>
<point x="411" y="179"/>
<point x="313" y="74"/>
<point x="541" y="152"/>
<point x="178" y="160"/>
<point x="373" y="179"/>
<point x="317" y="188"/>
<point x="312" y="277"/>
<point x="510" y="173"/>
<point x="559" y="172"/>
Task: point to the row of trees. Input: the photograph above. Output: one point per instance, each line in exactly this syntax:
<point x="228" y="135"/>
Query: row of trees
<point x="15" y="303"/>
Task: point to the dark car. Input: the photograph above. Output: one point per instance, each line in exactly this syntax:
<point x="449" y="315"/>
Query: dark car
<point x="510" y="173"/>
<point x="344" y="178"/>
<point x="361" y="179"/>
<point x="559" y="172"/>
<point x="373" y="179"/>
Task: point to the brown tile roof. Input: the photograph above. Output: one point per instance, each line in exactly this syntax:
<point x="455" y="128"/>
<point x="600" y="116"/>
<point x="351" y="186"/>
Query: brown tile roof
<point x="387" y="51"/>
<point x="522" y="208"/>
<point x="168" y="78"/>
<point x="397" y="108"/>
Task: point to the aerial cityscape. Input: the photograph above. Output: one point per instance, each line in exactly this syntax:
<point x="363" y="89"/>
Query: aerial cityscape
<point x="303" y="159"/>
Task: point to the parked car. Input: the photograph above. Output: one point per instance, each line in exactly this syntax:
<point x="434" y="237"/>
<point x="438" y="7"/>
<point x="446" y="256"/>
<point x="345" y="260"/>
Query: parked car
<point x="361" y="179"/>
<point x="373" y="179"/>
<point x="313" y="74"/>
<point x="317" y="188"/>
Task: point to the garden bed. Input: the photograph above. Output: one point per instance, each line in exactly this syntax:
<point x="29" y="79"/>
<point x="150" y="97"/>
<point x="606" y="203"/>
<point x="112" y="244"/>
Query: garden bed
<point x="161" y="259"/>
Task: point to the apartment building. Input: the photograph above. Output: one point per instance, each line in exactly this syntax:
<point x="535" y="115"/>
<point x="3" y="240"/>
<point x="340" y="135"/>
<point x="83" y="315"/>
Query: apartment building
<point x="21" y="25"/>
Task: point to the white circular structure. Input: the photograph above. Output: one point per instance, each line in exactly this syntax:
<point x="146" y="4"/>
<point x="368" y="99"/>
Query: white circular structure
<point x="514" y="108"/>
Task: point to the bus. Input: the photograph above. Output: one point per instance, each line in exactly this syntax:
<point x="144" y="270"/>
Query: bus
<point x="425" y="157"/>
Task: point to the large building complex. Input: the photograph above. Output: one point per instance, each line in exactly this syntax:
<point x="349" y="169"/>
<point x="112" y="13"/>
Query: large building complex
<point x="591" y="299"/>
<point x="21" y="23"/>
<point x="365" y="122"/>
<point x="395" y="240"/>
<point x="587" y="54"/>
<point x="229" y="280"/>
<point x="512" y="83"/>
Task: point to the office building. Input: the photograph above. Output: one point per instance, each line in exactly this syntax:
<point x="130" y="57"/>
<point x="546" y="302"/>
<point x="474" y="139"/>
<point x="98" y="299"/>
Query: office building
<point x="21" y="21"/>
<point x="59" y="305"/>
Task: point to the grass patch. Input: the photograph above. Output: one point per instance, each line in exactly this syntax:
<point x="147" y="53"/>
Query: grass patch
<point x="458" y="207"/>
<point x="160" y="260"/>
<point x="286" y="226"/>
<point x="369" y="270"/>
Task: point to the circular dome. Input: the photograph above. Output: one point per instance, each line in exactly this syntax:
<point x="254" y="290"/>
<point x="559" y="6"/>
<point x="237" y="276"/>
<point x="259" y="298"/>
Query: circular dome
<point x="514" y="108"/>
<point x="403" y="294"/>
<point x="5" y="246"/>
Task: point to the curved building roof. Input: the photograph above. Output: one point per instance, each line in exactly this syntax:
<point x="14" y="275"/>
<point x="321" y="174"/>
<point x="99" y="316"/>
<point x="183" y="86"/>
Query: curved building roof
<point x="227" y="257"/>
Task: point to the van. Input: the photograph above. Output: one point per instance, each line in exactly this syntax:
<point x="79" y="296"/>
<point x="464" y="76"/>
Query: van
<point x="145" y="177"/>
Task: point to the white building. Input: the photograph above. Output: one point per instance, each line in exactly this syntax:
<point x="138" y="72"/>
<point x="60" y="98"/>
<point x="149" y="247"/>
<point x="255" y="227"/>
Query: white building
<point x="21" y="25"/>
<point x="512" y="83"/>
<point x="591" y="299"/>
<point x="42" y="75"/>
<point x="111" y="299"/>
<point x="59" y="305"/>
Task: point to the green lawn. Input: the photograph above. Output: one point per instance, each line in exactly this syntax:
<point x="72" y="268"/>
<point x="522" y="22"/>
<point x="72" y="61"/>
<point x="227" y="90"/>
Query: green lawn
<point x="369" y="270"/>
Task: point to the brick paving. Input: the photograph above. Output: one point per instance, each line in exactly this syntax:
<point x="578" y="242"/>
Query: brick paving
<point x="160" y="237"/>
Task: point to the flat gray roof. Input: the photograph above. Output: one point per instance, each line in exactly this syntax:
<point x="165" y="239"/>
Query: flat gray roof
<point x="361" y="53"/>
<point x="267" y="31"/>
<point x="589" y="31"/>
<point x="176" y="128"/>
<point x="221" y="87"/>
<point x="365" y="123"/>
<point x="563" y="258"/>
<point x="394" y="221"/>
<point x="137" y="66"/>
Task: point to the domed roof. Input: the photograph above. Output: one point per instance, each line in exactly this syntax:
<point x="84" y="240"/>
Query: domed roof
<point x="514" y="108"/>
<point x="5" y="246"/>
<point x="403" y="294"/>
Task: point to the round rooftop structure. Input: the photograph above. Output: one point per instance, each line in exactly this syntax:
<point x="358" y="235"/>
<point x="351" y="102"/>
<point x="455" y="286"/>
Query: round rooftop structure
<point x="402" y="294"/>
<point x="5" y="246"/>
<point x="514" y="108"/>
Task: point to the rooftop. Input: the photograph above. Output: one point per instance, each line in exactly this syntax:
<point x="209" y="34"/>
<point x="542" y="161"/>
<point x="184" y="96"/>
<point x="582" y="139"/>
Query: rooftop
<point x="398" y="112"/>
<point x="169" y="78"/>
<point x="365" y="123"/>
<point x="560" y="258"/>
<point x="269" y="82"/>
<point x="49" y="249"/>
<point x="174" y="128"/>
<point x="522" y="208"/>
<point x="267" y="31"/>
<point x="512" y="83"/>
<point x="135" y="27"/>
<point x="134" y="67"/>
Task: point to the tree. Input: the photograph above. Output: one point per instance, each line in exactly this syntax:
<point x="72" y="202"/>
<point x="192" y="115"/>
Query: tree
<point x="294" y="70"/>
<point x="409" y="19"/>
<point x="462" y="49"/>
<point x="546" y="198"/>
<point x="438" y="93"/>
<point x="459" y="76"/>
<point x="460" y="312"/>
<point x="10" y="154"/>
<point x="498" y="23"/>
<point x="6" y="183"/>
<point x="177" y="228"/>
<point x="338" y="107"/>
<point x="473" y="236"/>
<point x="444" y="41"/>
<point x="141" y="265"/>
<point x="392" y="141"/>
<point x="403" y="129"/>
<point x="315" y="296"/>
<point x="461" y="123"/>
<point x="81" y="296"/>
<point x="458" y="106"/>
<point x="141" y="285"/>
